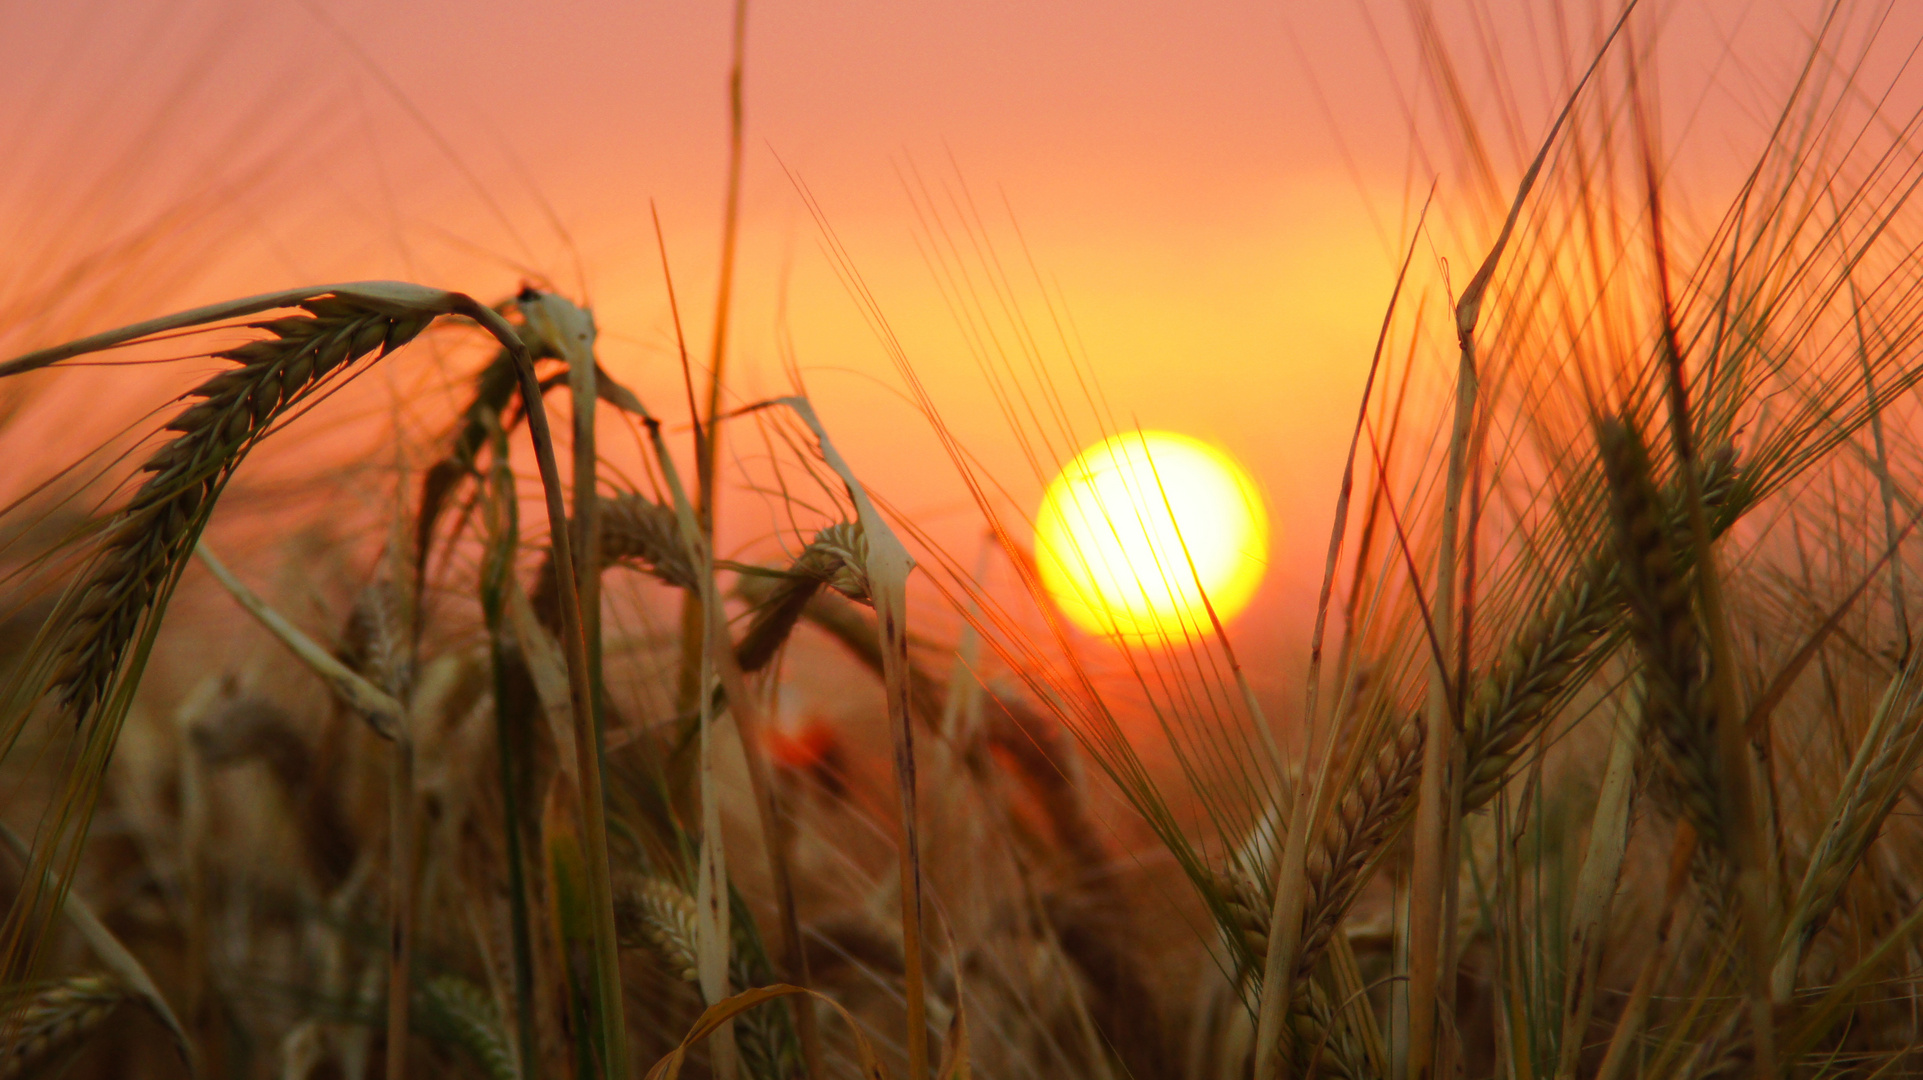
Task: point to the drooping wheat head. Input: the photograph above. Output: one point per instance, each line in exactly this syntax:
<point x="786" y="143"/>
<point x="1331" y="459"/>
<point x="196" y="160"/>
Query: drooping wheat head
<point x="836" y="559"/>
<point x="149" y="539"/>
<point x="635" y="530"/>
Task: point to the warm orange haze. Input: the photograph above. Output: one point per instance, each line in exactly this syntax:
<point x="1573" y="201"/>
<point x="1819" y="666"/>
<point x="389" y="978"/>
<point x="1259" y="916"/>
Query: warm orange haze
<point x="774" y="540"/>
<point x="1216" y="189"/>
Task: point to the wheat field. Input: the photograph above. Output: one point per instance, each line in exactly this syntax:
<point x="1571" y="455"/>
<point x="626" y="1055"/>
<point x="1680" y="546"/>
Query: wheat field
<point x="1601" y="761"/>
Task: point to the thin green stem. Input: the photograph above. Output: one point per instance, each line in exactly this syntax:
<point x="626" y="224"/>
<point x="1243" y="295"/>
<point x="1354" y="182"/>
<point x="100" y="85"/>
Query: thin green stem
<point x="609" y="1017"/>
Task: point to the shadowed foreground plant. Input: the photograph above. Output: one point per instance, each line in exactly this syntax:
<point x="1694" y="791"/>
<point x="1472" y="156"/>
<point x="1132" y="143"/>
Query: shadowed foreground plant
<point x="123" y="595"/>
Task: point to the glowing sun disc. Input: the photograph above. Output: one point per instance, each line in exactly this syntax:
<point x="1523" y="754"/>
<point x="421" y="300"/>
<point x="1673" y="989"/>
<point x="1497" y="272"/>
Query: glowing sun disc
<point x="1127" y="528"/>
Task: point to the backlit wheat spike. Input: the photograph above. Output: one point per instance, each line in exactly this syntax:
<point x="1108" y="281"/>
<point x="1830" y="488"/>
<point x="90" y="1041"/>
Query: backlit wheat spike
<point x="46" y="1024"/>
<point x="1363" y="820"/>
<point x="156" y="531"/>
<point x="1535" y="673"/>
<point x="1528" y="681"/>
<point x="1878" y="775"/>
<point x="1369" y="812"/>
<point x="1517" y="697"/>
<point x="837" y="559"/>
<point x="1663" y="624"/>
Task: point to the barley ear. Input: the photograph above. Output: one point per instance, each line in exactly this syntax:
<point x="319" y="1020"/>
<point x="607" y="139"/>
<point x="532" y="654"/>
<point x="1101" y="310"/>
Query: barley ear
<point x="127" y="971"/>
<point x="1668" y="639"/>
<point x="461" y="1014"/>
<point x="41" y="1026"/>
<point x="659" y="915"/>
<point x="1884" y="761"/>
<point x="634" y="530"/>
<point x="835" y="559"/>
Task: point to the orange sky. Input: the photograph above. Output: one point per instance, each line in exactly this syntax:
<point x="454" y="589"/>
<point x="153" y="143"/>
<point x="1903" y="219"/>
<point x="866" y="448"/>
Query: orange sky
<point x="1175" y="170"/>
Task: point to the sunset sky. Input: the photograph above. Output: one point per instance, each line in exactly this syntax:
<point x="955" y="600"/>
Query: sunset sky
<point x="1213" y="191"/>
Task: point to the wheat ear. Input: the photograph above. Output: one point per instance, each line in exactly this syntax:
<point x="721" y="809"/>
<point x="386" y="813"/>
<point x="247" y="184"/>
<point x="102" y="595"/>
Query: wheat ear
<point x="146" y="544"/>
<point x="836" y="559"/>
<point x="57" y="1018"/>
<point x="1364" y="818"/>
<point x="656" y="914"/>
<point x="1518" y="695"/>
<point x="1663" y="624"/>
<point x="1324" y="1040"/>
<point x="156" y="531"/>
<point x="1533" y="676"/>
<point x="659" y="915"/>
<point x="1877" y="776"/>
<point x="634" y="530"/>
<point x="463" y="1014"/>
<point x="1372" y="809"/>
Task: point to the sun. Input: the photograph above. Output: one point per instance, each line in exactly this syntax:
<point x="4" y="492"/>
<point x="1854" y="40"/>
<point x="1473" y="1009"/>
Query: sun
<point x="1127" y="529"/>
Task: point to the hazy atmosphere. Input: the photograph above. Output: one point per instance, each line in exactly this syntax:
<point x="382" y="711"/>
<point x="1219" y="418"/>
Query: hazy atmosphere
<point x="1230" y="540"/>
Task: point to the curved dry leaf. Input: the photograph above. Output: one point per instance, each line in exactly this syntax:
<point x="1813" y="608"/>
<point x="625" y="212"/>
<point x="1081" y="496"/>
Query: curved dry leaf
<point x="668" y="1068"/>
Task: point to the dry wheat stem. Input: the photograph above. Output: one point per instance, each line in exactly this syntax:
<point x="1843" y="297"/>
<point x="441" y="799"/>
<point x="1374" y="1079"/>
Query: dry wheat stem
<point x="610" y="1013"/>
<point x="383" y="712"/>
